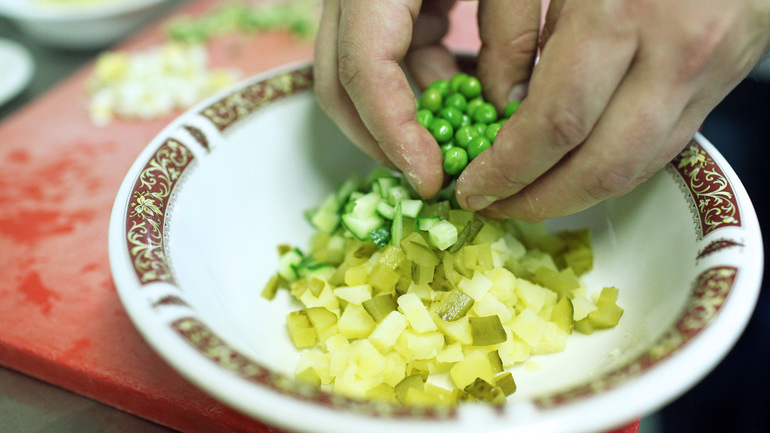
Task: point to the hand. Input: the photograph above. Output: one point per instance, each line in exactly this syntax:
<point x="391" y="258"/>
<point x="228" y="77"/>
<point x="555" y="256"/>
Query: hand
<point x="360" y="84"/>
<point x="620" y="88"/>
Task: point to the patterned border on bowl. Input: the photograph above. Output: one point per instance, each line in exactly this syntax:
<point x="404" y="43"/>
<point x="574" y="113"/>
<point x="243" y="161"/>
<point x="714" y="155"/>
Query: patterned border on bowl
<point x="707" y="189"/>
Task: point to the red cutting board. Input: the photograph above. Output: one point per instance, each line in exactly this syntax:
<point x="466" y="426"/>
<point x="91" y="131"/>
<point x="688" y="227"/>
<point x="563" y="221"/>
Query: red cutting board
<point x="60" y="317"/>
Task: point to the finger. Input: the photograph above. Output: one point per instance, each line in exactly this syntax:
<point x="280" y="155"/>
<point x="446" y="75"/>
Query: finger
<point x="578" y="73"/>
<point x="636" y="136"/>
<point x="329" y="92"/>
<point x="374" y="37"/>
<point x="551" y="17"/>
<point x="428" y="59"/>
<point x="509" y="32"/>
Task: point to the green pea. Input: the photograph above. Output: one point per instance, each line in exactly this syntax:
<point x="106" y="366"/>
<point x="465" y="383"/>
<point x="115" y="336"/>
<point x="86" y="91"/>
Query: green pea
<point x="453" y="115"/>
<point x="477" y="145"/>
<point x="470" y="87"/>
<point x="456" y="100"/>
<point x="511" y="108"/>
<point x="485" y="113"/>
<point x="441" y="130"/>
<point x="466" y="120"/>
<point x="432" y="100"/>
<point x="425" y="117"/>
<point x="455" y="160"/>
<point x="491" y="132"/>
<point x="442" y="86"/>
<point x="446" y="146"/>
<point x="456" y="80"/>
<point x="473" y="105"/>
<point x="480" y="128"/>
<point x="465" y="134"/>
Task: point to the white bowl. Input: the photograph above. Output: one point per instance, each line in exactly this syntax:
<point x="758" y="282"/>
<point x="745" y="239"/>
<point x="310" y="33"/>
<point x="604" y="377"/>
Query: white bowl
<point x="88" y="25"/>
<point x="194" y="231"/>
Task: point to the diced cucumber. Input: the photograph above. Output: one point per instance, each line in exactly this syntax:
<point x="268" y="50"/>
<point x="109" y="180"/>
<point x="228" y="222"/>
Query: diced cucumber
<point x="425" y="223"/>
<point x="442" y="235"/>
<point x="397" y="228"/>
<point x="398" y="194"/>
<point x="411" y="208"/>
<point x="365" y="206"/>
<point x="385" y="210"/>
<point x="385" y="183"/>
<point x="287" y="264"/>
<point x="360" y="227"/>
<point x="347" y="188"/>
<point x="327" y="218"/>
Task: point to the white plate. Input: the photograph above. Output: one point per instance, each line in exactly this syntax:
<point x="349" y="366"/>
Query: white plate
<point x="193" y="238"/>
<point x="16" y="69"/>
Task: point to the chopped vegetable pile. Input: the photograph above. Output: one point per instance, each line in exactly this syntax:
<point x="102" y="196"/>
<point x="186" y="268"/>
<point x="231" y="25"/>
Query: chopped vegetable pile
<point x="461" y="121"/>
<point x="399" y="294"/>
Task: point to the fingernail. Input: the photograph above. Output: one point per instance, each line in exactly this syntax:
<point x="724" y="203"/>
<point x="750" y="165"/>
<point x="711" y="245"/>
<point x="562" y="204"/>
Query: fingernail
<point x="476" y="202"/>
<point x="519" y="92"/>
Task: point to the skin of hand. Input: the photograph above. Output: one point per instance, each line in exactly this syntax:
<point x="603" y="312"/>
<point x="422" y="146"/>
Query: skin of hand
<point x="620" y="88"/>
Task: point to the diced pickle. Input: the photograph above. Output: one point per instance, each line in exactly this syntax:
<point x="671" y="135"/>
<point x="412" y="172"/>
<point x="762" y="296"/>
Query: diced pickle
<point x="495" y="361"/>
<point x="420" y="254"/>
<point x="607" y="314"/>
<point x="562" y="313"/>
<point x="380" y="306"/>
<point x="300" y="329"/>
<point x="422" y="274"/>
<point x="413" y="381"/>
<point x="466" y="235"/>
<point x="271" y="288"/>
<point x="454" y="306"/>
<point x="482" y="390"/>
<point x="487" y="330"/>
<point x="505" y="382"/>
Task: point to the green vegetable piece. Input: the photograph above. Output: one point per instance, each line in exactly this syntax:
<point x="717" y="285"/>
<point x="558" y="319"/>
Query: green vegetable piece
<point x="456" y="80"/>
<point x="455" y="160"/>
<point x="470" y="87"/>
<point x="473" y="104"/>
<point x="491" y="132"/>
<point x="562" y="314"/>
<point x="431" y="100"/>
<point x="476" y="146"/>
<point x="418" y="253"/>
<point x="442" y="86"/>
<point x="487" y="330"/>
<point x="485" y="113"/>
<point x="380" y="306"/>
<point x="446" y="146"/>
<point x="465" y="134"/>
<point x="456" y="100"/>
<point x="425" y="117"/>
<point x="301" y="332"/>
<point x="495" y="361"/>
<point x="608" y="313"/>
<point x="441" y="130"/>
<point x="505" y="382"/>
<point x="482" y="390"/>
<point x="451" y="115"/>
<point x="467" y="235"/>
<point x="455" y="305"/>
<point x="510" y="108"/>
<point x="271" y="288"/>
<point x="380" y="236"/>
<point x="402" y="388"/>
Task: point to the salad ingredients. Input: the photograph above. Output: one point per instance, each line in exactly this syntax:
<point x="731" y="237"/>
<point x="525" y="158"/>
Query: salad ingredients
<point x="422" y="303"/>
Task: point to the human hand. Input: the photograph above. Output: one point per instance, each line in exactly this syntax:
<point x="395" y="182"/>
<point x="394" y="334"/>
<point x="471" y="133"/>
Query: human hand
<point x="620" y="88"/>
<point x="360" y="84"/>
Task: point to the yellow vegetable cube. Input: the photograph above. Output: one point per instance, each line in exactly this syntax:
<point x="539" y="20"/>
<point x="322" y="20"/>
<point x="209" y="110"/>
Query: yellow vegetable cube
<point x="355" y="322"/>
<point x="529" y="327"/>
<point x="386" y="333"/>
<point x="395" y="368"/>
<point x="354" y="294"/>
<point x="534" y="297"/>
<point x="412" y="345"/>
<point x="416" y="313"/>
<point x="456" y="330"/>
<point x="316" y="361"/>
<point x="554" y="340"/>
<point x="476" y="364"/>
<point x="368" y="361"/>
<point x="489" y="305"/>
<point x="582" y="307"/>
<point x="324" y="299"/>
<point x="476" y="287"/>
<point x="451" y="353"/>
<point x="300" y="329"/>
<point x="356" y="275"/>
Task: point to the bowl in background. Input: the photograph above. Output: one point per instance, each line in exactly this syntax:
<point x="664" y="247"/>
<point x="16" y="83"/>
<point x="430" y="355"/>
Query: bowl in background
<point x="193" y="238"/>
<point x="83" y="25"/>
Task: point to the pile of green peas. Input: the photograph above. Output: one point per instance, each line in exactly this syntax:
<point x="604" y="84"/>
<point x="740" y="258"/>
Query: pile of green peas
<point x="461" y="121"/>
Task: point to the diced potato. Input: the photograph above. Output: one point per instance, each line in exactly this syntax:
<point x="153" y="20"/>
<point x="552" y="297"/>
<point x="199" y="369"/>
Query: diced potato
<point x="529" y="327"/>
<point x="451" y="353"/>
<point x="489" y="305"/>
<point x="457" y="330"/>
<point x="429" y="396"/>
<point x="503" y="285"/>
<point x="514" y="351"/>
<point x="475" y="365"/>
<point x="382" y="278"/>
<point x="476" y="287"/>
<point x="416" y="313"/>
<point x="414" y="381"/>
<point x="420" y="346"/>
<point x="355" y="322"/>
<point x="395" y="368"/>
<point x="532" y="296"/>
<point x="325" y="299"/>
<point x="318" y="362"/>
<point x="386" y="332"/>
<point x="554" y="340"/>
<point x="354" y="294"/>
<point x="368" y="361"/>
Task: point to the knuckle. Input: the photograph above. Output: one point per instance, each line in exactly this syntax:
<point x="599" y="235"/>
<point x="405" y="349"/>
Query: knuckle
<point x="566" y="127"/>
<point x="614" y="181"/>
